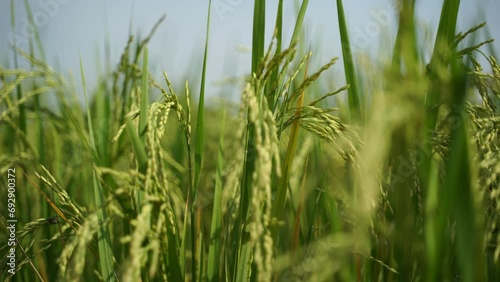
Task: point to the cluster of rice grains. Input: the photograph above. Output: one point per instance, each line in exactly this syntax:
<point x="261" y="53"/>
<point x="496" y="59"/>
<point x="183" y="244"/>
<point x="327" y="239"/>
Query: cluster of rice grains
<point x="485" y="124"/>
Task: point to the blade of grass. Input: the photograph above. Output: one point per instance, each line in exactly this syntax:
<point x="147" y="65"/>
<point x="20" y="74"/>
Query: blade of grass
<point x="198" y="147"/>
<point x="198" y="151"/>
<point x="103" y="123"/>
<point x="296" y="226"/>
<point x="137" y="146"/>
<point x="405" y="46"/>
<point x="144" y="102"/>
<point x="299" y="22"/>
<point x="355" y="112"/>
<point x="104" y="239"/>
<point x="444" y="41"/>
<point x="350" y="72"/>
<point x="258" y="39"/>
<point x="143" y="111"/>
<point x="201" y="259"/>
<point x="185" y="238"/>
<point x="272" y="84"/>
<point x="458" y="186"/>
<point x="214" y="253"/>
<point x="435" y="229"/>
<point x="175" y="256"/>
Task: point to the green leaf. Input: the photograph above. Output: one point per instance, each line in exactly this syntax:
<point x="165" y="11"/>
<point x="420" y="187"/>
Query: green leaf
<point x="350" y="72"/>
<point x="198" y="147"/>
<point x="214" y="254"/>
<point x="104" y="238"/>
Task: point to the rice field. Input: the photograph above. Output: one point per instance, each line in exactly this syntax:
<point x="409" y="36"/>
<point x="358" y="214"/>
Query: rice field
<point x="393" y="176"/>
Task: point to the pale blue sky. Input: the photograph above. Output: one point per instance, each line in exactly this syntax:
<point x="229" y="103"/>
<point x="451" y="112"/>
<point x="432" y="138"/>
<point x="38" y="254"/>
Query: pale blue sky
<point x="68" y="27"/>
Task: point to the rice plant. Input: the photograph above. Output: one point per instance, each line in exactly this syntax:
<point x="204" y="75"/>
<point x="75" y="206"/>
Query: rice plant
<point x="396" y="180"/>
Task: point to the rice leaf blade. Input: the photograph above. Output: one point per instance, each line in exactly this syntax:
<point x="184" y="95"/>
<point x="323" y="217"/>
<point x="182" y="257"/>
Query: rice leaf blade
<point x="104" y="238"/>
<point x="198" y="148"/>
<point x="350" y="72"/>
<point x="214" y="251"/>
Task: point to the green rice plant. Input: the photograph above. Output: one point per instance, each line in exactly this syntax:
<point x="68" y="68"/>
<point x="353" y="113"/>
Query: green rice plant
<point x="104" y="241"/>
<point x="201" y="106"/>
<point x="242" y="258"/>
<point x="399" y="182"/>
<point x="290" y="152"/>
<point x="214" y="252"/>
<point x="350" y="72"/>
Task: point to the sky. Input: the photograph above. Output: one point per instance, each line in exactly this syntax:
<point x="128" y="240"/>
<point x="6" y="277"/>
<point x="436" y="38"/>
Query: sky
<point x="70" y="28"/>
